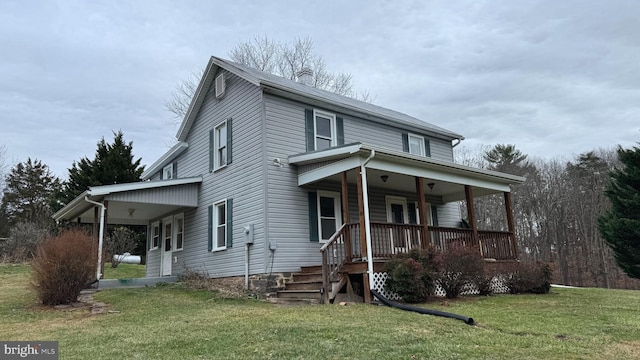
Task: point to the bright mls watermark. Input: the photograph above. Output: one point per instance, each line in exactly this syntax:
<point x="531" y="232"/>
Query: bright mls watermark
<point x="39" y="350"/>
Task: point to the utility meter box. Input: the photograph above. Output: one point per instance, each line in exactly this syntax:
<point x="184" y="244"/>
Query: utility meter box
<point x="248" y="234"/>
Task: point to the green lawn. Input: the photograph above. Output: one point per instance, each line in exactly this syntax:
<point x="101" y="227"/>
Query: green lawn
<point x="172" y="322"/>
<point x="124" y="271"/>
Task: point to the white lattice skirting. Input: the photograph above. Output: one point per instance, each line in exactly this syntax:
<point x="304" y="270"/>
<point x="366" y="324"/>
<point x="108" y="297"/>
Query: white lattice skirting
<point x="380" y="279"/>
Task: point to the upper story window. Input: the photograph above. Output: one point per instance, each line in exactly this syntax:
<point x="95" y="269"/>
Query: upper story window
<point x="324" y="130"/>
<point x="416" y="144"/>
<point x="168" y="172"/>
<point x="220" y="145"/>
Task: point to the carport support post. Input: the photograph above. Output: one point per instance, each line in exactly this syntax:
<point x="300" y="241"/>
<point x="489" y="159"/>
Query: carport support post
<point x="104" y="231"/>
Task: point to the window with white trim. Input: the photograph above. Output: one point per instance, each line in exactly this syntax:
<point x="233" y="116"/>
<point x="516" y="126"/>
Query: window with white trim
<point x="167" y="172"/>
<point x="219" y="225"/>
<point x="416" y="145"/>
<point x="324" y="125"/>
<point x="178" y="228"/>
<point x="155" y="235"/>
<point x="329" y="214"/>
<point x="220" y="145"/>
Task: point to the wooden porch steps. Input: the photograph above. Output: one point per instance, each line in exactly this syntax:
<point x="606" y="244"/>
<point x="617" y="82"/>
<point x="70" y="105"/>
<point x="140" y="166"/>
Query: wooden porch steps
<point x="304" y="288"/>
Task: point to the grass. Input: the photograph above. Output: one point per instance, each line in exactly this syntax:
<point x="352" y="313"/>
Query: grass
<point x="124" y="271"/>
<point x="170" y="322"/>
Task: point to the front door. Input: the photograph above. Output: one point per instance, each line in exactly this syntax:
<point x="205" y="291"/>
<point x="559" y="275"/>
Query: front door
<point x="397" y="214"/>
<point x="167" y="242"/>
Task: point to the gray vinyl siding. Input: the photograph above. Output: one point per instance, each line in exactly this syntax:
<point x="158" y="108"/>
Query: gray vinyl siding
<point x="185" y="195"/>
<point x="241" y="180"/>
<point x="287" y="209"/>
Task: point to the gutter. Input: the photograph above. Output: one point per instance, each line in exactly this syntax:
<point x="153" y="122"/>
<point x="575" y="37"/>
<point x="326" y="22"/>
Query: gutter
<point x="100" y="236"/>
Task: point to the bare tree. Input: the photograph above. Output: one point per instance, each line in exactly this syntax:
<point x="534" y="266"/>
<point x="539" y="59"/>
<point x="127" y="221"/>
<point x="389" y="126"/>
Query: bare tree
<point x="278" y="58"/>
<point x="120" y="241"/>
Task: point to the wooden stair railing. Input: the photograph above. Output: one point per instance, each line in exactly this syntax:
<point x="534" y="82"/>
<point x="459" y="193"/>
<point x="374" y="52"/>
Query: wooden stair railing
<point x="333" y="257"/>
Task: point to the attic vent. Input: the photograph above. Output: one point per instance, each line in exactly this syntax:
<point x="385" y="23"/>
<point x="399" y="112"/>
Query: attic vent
<point x="220" y="85"/>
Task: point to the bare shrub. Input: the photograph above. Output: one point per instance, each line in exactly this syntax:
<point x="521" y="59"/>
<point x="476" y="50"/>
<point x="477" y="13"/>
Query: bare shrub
<point x="62" y="267"/>
<point x="121" y="240"/>
<point x="412" y="275"/>
<point x="460" y="266"/>
<point x="529" y="277"/>
<point x="23" y="239"/>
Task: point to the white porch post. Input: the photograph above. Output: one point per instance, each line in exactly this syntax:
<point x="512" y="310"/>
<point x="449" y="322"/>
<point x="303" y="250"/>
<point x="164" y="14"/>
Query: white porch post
<point x="367" y="220"/>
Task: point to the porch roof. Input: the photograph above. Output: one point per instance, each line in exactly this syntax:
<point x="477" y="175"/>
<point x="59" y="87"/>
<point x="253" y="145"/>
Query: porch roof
<point x="448" y="178"/>
<point x="134" y="203"/>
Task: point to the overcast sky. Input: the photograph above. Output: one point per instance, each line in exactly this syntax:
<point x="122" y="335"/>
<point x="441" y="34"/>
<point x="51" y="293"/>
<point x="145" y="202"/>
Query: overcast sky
<point x="555" y="78"/>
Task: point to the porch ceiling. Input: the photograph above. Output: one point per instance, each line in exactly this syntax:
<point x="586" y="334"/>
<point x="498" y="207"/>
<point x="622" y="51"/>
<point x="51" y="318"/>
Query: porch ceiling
<point x="448" y="178"/>
<point x="134" y="203"/>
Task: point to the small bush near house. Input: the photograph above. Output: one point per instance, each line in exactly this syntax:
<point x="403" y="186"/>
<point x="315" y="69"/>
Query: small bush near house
<point x="460" y="266"/>
<point x="529" y="278"/>
<point x="483" y="283"/>
<point x="62" y="267"/>
<point x="412" y="275"/>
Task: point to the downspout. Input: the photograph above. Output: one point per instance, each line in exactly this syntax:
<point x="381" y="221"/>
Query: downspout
<point x="367" y="220"/>
<point x="456" y="144"/>
<point x="101" y="234"/>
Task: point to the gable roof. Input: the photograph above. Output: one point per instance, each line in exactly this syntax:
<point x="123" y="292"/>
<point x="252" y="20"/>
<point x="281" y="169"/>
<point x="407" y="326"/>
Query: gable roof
<point x="289" y="88"/>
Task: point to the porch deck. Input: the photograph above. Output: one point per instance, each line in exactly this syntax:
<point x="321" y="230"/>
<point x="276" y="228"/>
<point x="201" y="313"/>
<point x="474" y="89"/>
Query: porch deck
<point x="347" y="245"/>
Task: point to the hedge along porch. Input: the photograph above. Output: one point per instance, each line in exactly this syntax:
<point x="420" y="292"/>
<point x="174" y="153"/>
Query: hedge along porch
<point x="141" y="203"/>
<point x="361" y="244"/>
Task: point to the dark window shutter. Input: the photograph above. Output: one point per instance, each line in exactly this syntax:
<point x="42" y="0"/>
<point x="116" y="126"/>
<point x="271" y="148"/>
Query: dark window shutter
<point x="160" y="226"/>
<point x="313" y="216"/>
<point x="340" y="130"/>
<point x="211" y="150"/>
<point x="229" y="223"/>
<point x="310" y="131"/>
<point x="175" y="169"/>
<point x="229" y="141"/>
<point x="150" y="237"/>
<point x="434" y="214"/>
<point x="413" y="218"/>
<point x="162" y="174"/>
<point x="405" y="142"/>
<point x="427" y="147"/>
<point x="210" y="227"/>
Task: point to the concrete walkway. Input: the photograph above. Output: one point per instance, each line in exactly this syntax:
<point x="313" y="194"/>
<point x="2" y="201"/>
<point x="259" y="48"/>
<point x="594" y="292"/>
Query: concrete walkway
<point x="133" y="283"/>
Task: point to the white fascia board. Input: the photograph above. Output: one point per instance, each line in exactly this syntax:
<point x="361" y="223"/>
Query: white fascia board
<point x="72" y="206"/>
<point x="329" y="170"/>
<point x="176" y="150"/>
<point x="197" y="100"/>
<point x="108" y="189"/>
<point x="332" y="153"/>
<point x="437" y="174"/>
<point x="402" y="157"/>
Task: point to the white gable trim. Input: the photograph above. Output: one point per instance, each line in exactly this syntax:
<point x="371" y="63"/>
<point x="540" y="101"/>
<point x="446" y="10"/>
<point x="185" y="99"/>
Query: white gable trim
<point x="165" y="159"/>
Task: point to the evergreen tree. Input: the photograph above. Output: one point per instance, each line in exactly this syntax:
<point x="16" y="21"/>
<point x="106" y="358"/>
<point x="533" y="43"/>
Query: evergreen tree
<point x="30" y="187"/>
<point x="620" y="226"/>
<point x="113" y="164"/>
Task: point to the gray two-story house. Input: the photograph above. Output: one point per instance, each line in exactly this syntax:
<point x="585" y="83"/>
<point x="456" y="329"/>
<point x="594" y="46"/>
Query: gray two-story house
<point x="270" y="175"/>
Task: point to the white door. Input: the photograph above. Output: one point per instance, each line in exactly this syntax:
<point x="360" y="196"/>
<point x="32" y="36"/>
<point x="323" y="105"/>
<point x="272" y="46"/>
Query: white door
<point x="397" y="214"/>
<point x="167" y="245"/>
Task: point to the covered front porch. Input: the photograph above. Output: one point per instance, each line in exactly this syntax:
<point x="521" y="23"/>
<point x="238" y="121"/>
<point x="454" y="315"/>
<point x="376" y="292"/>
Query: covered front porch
<point x="404" y="202"/>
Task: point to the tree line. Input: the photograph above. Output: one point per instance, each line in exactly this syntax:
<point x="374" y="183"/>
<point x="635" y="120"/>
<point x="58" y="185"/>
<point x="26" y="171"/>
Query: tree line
<point x="556" y="211"/>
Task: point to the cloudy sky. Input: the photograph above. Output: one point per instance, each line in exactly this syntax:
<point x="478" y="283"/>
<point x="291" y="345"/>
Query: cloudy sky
<point x="556" y="78"/>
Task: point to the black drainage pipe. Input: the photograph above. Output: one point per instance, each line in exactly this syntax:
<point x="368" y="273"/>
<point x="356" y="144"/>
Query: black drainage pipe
<point x="384" y="300"/>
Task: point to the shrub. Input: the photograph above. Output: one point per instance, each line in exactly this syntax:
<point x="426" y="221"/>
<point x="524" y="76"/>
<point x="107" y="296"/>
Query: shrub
<point x="23" y="239"/>
<point x="120" y="241"/>
<point x="460" y="266"/>
<point x="529" y="277"/>
<point x="412" y="275"/>
<point x="63" y="266"/>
